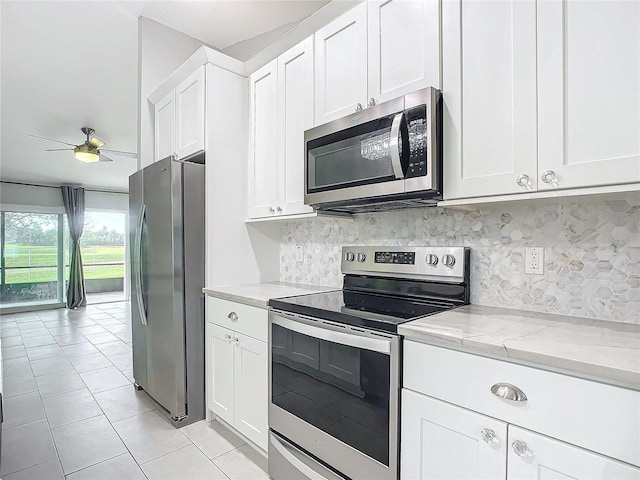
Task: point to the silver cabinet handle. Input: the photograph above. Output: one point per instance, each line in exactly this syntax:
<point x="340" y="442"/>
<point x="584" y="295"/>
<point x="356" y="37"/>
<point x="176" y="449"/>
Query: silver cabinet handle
<point x="227" y="337"/>
<point x="358" y="107"/>
<point x="236" y="340"/>
<point x="524" y="181"/>
<point x="279" y="209"/>
<point x="508" y="392"/>
<point x="372" y="102"/>
<point x="549" y="176"/>
<point x="233" y="316"/>
<point x="271" y="210"/>
<point x="521" y="449"/>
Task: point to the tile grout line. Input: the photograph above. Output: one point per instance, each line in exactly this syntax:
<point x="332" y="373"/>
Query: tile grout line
<point x="107" y="418"/>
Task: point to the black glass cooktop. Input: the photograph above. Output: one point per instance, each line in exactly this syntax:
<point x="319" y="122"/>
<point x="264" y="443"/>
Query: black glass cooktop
<point x="370" y="310"/>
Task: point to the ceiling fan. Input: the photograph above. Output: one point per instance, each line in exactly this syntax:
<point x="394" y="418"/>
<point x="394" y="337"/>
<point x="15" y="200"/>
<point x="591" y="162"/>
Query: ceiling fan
<point x="91" y="150"/>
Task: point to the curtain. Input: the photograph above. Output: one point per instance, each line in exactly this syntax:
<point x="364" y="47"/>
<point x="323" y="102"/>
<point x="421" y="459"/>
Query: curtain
<point x="73" y="198"/>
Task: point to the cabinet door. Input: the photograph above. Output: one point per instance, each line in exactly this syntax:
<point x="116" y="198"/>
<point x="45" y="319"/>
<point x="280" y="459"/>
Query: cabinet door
<point x="263" y="116"/>
<point x="442" y="441"/>
<point x="341" y="65"/>
<point x="220" y="369"/>
<point x="251" y="390"/>
<point x="533" y="456"/>
<point x="165" y="127"/>
<point x="295" y="115"/>
<point x="489" y="93"/>
<point x="404" y="47"/>
<point x="588" y="93"/>
<point x="190" y="114"/>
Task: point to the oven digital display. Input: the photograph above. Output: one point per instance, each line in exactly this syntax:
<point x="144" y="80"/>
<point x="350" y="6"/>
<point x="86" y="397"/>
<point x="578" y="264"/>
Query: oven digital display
<point x="402" y="258"/>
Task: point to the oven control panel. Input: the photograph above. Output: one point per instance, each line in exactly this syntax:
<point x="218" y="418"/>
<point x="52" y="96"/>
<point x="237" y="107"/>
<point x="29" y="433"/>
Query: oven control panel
<point x="450" y="263"/>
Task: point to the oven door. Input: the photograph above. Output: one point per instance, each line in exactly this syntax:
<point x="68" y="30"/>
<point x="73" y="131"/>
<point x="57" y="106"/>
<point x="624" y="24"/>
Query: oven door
<point x="333" y="392"/>
<point x="362" y="155"/>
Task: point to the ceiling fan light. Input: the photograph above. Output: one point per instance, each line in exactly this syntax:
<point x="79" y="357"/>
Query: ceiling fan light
<point x="86" y="154"/>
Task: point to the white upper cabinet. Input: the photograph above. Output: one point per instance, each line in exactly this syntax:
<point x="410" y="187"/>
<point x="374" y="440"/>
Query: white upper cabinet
<point x="379" y="50"/>
<point x="403" y="47"/>
<point x="588" y="93"/>
<point x="165" y="127"/>
<point x="180" y="120"/>
<point x="489" y="94"/>
<point x="295" y="115"/>
<point x="190" y="120"/>
<point x="263" y="114"/>
<point x="281" y="110"/>
<point x="341" y="66"/>
<point x="540" y="95"/>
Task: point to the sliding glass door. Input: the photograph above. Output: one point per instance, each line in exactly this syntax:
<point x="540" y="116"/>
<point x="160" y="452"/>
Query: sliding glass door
<point x="31" y="270"/>
<point x="103" y="256"/>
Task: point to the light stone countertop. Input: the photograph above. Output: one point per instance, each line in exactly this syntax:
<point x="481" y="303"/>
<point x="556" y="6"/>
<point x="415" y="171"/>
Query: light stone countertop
<point x="598" y="350"/>
<point x="259" y="294"/>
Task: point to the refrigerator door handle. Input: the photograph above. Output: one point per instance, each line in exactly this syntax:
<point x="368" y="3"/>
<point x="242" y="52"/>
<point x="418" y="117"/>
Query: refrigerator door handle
<point x="138" y="265"/>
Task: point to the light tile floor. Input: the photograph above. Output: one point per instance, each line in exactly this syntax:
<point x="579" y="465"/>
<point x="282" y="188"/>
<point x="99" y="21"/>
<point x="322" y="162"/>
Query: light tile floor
<point x="70" y="409"/>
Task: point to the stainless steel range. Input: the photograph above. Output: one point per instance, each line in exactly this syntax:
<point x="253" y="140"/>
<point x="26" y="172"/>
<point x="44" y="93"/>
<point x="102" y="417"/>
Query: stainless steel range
<point x="335" y="361"/>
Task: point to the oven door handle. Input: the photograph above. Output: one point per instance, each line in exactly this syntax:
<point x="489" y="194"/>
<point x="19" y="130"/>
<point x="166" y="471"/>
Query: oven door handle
<point x="394" y="146"/>
<point x="353" y="339"/>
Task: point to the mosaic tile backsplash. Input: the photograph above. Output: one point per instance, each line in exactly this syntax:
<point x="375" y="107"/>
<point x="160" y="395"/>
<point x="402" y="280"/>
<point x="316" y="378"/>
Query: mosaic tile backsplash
<point x="591" y="252"/>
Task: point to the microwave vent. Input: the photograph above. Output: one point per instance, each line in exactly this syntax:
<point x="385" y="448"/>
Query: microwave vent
<point x="382" y="206"/>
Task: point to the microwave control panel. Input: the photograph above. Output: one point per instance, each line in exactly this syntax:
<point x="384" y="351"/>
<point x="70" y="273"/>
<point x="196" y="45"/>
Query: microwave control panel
<point x="418" y="140"/>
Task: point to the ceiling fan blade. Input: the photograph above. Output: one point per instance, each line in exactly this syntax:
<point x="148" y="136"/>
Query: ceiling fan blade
<point x="59" y="149"/>
<point x="104" y="158"/>
<point x="50" y="139"/>
<point x="96" y="142"/>
<point x="118" y="152"/>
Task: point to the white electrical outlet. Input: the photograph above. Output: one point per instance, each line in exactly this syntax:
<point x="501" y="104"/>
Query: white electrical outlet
<point x="299" y="253"/>
<point x="534" y="260"/>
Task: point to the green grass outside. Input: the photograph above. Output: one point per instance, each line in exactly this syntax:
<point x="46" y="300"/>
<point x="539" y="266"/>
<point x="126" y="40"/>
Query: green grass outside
<point x="24" y="256"/>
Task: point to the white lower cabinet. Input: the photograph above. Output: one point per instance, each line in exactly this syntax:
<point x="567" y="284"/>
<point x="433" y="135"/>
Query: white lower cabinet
<point x="237" y="368"/>
<point x="440" y="440"/>
<point x="463" y="417"/>
<point x="251" y="387"/>
<point x="220" y="372"/>
<point x="536" y="457"/>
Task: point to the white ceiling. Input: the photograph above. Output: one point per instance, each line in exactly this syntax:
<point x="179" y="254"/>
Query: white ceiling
<point x="69" y="64"/>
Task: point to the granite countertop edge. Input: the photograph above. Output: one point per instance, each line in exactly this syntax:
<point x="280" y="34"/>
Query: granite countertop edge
<point x="259" y="294"/>
<point x="603" y="351"/>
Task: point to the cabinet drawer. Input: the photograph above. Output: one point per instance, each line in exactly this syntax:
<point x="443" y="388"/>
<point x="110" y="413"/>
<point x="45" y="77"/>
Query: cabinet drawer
<point x="251" y="321"/>
<point x="589" y="414"/>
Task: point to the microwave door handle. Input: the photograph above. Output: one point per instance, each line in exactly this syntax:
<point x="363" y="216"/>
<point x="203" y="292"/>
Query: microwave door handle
<point x="394" y="146"/>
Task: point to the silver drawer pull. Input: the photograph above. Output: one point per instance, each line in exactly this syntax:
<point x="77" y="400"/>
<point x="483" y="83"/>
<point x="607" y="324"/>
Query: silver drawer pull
<point x="521" y="449"/>
<point x="508" y="392"/>
<point x="233" y="316"/>
<point x="489" y="436"/>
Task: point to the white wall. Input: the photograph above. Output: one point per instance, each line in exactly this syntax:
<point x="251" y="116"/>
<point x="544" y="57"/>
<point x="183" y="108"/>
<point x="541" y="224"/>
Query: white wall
<point x="160" y="51"/>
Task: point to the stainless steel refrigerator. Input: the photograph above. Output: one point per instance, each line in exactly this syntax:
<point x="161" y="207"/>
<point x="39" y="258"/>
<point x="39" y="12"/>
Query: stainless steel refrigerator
<point x="166" y="220"/>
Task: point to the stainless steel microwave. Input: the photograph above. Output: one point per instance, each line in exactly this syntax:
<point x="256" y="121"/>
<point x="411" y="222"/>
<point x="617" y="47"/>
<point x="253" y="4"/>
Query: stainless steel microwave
<point x="385" y="157"/>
